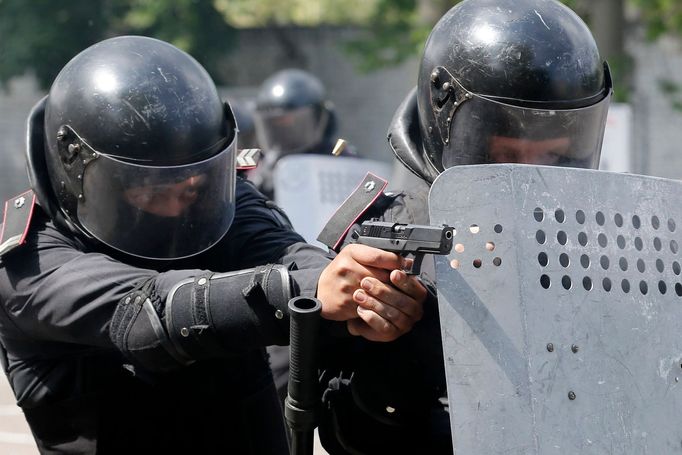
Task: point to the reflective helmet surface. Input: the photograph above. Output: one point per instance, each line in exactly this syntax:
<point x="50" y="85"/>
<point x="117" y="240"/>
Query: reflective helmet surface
<point x="139" y="148"/>
<point x="526" y="73"/>
<point x="292" y="112"/>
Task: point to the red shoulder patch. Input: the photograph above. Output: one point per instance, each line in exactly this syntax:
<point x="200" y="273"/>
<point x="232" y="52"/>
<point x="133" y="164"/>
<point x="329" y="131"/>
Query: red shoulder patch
<point x="16" y="221"/>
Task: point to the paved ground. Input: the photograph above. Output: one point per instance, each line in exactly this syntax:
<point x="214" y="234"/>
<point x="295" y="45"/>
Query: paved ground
<point x="15" y="437"/>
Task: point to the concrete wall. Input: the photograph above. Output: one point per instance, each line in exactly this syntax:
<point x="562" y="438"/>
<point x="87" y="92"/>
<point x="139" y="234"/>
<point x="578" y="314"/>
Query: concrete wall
<point x="15" y="104"/>
<point x="657" y="121"/>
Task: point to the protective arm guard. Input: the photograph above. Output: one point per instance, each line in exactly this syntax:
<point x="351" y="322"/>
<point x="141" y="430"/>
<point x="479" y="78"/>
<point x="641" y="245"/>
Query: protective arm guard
<point x="212" y="315"/>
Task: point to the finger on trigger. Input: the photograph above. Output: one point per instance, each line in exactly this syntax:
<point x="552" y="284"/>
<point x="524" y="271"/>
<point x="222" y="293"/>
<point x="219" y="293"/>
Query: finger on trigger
<point x="374" y="257"/>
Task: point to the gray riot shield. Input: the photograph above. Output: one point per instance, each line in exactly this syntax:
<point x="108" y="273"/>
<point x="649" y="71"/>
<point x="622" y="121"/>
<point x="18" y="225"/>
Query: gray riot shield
<point x="561" y="310"/>
<point x="311" y="187"/>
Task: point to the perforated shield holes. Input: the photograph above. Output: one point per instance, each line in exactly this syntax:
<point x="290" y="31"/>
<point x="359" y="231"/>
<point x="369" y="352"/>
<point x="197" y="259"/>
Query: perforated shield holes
<point x="587" y="283"/>
<point x="483" y="242"/>
<point x="619" y="232"/>
<point x="655" y="223"/>
<point x="585" y="261"/>
<point x="599" y="217"/>
<point x="608" y="231"/>
<point x="582" y="239"/>
<point x="580" y="217"/>
<point x="636" y="223"/>
<point x="559" y="215"/>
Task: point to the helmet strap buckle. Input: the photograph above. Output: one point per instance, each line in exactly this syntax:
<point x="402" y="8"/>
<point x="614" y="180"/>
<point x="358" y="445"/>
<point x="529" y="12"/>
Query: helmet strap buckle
<point x="447" y="95"/>
<point x="74" y="154"/>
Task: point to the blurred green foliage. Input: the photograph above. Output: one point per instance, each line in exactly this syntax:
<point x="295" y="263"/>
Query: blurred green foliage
<point x="660" y="16"/>
<point x="394" y="33"/>
<point x="263" y="13"/>
<point x="40" y="36"/>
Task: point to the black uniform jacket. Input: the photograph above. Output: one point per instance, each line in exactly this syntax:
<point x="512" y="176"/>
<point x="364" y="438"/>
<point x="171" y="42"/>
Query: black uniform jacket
<point x="57" y="298"/>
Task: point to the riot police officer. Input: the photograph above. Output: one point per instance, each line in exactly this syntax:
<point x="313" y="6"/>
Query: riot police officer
<point x="138" y="294"/>
<point x="518" y="81"/>
<point x="292" y="115"/>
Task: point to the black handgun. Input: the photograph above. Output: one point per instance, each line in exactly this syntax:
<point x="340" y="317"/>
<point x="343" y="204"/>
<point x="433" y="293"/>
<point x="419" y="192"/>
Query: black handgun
<point x="405" y="239"/>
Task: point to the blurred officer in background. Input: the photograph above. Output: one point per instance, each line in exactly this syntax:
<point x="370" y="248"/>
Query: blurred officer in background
<point x="293" y="115"/>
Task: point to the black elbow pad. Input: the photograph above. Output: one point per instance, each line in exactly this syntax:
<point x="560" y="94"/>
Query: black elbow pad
<point x="139" y="333"/>
<point x="229" y="313"/>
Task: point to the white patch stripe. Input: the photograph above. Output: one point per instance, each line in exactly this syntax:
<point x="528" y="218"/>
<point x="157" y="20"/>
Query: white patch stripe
<point x="248" y="157"/>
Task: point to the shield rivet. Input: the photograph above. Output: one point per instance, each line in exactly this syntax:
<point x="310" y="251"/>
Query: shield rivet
<point x="574" y="348"/>
<point x="201" y="282"/>
<point x="369" y="186"/>
<point x="184" y="332"/>
<point x="571" y="395"/>
<point x="390" y="409"/>
<point x="550" y="347"/>
<point x="279" y="314"/>
<point x="19" y="202"/>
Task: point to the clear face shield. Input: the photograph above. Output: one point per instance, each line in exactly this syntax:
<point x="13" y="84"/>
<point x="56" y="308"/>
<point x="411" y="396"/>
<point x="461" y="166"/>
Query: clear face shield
<point x="160" y="212"/>
<point x="290" y="131"/>
<point x="488" y="131"/>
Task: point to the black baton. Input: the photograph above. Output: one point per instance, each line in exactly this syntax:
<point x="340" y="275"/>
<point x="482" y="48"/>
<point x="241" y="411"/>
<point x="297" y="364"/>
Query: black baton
<point x="300" y="406"/>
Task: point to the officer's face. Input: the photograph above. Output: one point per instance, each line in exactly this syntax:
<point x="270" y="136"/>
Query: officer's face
<point x="166" y="200"/>
<point x="525" y="151"/>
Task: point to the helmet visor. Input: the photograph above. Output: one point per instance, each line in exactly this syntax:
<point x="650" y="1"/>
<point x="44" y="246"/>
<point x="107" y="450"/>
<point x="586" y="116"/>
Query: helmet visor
<point x="290" y="131"/>
<point x="159" y="212"/>
<point x="487" y="131"/>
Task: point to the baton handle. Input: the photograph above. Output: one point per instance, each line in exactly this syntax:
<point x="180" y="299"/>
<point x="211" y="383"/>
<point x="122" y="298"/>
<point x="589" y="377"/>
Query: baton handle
<point x="300" y="406"/>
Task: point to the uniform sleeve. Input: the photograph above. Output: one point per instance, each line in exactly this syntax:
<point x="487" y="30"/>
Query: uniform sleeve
<point x="55" y="289"/>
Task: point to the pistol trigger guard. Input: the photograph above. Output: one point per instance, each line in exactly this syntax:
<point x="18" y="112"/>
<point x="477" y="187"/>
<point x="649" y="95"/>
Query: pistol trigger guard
<point x="416" y="264"/>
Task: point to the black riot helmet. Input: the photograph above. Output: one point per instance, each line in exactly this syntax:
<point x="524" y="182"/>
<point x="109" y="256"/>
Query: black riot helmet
<point x="502" y="77"/>
<point x="292" y="113"/>
<point x="139" y="149"/>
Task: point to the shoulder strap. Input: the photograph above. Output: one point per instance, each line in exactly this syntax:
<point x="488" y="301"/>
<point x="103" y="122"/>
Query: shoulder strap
<point x="16" y="221"/>
<point x="248" y="159"/>
<point x="351" y="210"/>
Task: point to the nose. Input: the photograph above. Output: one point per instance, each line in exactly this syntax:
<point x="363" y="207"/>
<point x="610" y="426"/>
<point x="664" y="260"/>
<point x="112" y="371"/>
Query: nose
<point x="174" y="206"/>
